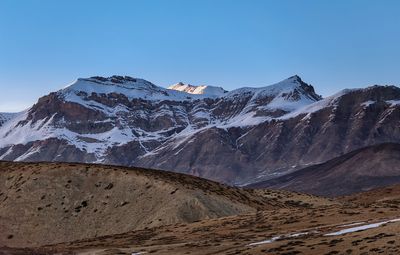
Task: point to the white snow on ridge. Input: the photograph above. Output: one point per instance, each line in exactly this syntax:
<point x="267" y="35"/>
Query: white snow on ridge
<point x="367" y="103"/>
<point x="132" y="89"/>
<point x="285" y="97"/>
<point x="13" y="132"/>
<point x="139" y="88"/>
<point x="317" y="106"/>
<point x="30" y="152"/>
<point x="243" y="120"/>
<point x="210" y="91"/>
<point x="6" y="116"/>
<point x="286" y="85"/>
<point x="180" y="92"/>
<point x="393" y="102"/>
<point x="281" y="93"/>
<point x="19" y="131"/>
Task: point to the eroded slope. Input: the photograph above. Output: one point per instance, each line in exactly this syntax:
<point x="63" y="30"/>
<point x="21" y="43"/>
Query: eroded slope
<point x="43" y="203"/>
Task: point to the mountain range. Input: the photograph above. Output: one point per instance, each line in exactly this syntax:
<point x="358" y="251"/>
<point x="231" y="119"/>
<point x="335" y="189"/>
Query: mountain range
<point x="239" y="137"/>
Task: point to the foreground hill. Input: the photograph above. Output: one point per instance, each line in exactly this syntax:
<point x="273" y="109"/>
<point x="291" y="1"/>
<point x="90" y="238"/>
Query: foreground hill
<point x="332" y="228"/>
<point x="387" y="195"/>
<point x="360" y="170"/>
<point x="236" y="137"/>
<point x="46" y="203"/>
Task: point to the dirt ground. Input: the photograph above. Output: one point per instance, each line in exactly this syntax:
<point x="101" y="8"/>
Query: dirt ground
<point x="279" y="222"/>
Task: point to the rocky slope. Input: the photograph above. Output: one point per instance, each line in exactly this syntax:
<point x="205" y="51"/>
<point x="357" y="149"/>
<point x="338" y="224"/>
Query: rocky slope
<point x="43" y="203"/>
<point x="389" y="196"/>
<point x="335" y="227"/>
<point x="360" y="170"/>
<point x="237" y="137"/>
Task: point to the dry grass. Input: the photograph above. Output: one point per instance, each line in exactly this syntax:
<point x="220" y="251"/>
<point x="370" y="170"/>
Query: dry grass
<point x="259" y="215"/>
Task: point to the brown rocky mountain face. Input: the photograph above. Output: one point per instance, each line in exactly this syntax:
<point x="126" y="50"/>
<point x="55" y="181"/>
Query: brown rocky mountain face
<point x="243" y="136"/>
<point x="283" y="145"/>
<point x="360" y="170"/>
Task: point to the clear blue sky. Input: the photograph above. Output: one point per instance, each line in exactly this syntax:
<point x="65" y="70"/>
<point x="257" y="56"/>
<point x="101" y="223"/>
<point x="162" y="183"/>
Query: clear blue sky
<point x="45" y="45"/>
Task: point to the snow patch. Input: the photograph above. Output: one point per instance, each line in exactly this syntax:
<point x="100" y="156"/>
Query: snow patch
<point x="277" y="238"/>
<point x="210" y="91"/>
<point x="30" y="152"/>
<point x="367" y="103"/>
<point x="393" y="102"/>
<point x="317" y="106"/>
<point x="361" y="228"/>
<point x="6" y="116"/>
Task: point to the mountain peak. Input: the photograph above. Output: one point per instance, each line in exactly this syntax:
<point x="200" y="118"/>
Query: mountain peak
<point x="125" y="85"/>
<point x="116" y="79"/>
<point x="295" y="77"/>
<point x="212" y="91"/>
<point x="82" y="89"/>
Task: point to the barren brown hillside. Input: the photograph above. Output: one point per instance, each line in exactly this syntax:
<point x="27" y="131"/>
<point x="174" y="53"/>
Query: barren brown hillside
<point x="45" y="203"/>
<point x="63" y="208"/>
<point x="332" y="228"/>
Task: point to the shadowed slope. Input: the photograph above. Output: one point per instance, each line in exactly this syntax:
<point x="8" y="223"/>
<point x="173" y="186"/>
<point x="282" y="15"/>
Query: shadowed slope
<point x="360" y="170"/>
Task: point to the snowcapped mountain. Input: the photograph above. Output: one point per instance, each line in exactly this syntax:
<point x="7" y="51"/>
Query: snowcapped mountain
<point x="5" y="116"/>
<point x="234" y="136"/>
<point x="210" y="91"/>
<point x="131" y="88"/>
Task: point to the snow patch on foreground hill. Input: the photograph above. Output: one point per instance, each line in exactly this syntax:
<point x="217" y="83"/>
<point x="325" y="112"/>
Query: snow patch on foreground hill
<point x="319" y="229"/>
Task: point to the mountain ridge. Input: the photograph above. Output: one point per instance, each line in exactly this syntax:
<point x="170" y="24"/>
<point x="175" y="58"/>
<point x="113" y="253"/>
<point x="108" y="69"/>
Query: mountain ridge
<point x="211" y="91"/>
<point x="261" y="131"/>
<point x="359" y="170"/>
